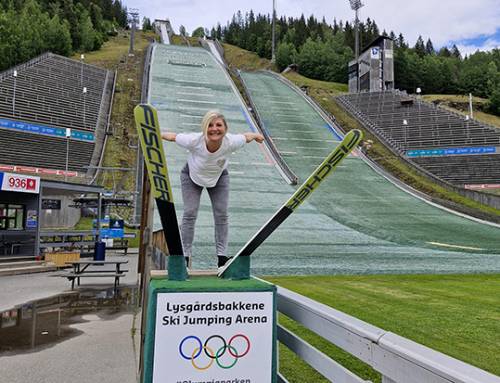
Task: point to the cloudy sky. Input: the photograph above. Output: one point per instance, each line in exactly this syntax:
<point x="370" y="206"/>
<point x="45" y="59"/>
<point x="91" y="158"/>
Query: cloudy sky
<point x="471" y="24"/>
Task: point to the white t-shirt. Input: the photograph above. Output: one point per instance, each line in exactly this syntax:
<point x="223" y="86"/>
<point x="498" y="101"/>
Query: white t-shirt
<point x="205" y="168"/>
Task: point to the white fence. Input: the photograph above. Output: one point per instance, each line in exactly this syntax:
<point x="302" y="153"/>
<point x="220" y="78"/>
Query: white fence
<point x="397" y="359"/>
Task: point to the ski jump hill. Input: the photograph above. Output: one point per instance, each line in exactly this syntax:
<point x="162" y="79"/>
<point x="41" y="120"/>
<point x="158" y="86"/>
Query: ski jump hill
<point x="357" y="222"/>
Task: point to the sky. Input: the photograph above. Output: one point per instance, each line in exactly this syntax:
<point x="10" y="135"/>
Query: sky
<point x="470" y="24"/>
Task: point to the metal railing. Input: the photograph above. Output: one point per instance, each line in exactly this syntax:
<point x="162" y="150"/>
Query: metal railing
<point x="396" y="358"/>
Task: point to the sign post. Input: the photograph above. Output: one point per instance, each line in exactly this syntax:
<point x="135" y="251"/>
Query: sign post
<point x="210" y="330"/>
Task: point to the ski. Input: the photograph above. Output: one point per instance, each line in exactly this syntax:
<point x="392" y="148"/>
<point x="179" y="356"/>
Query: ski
<point x="148" y="129"/>
<point x="350" y="141"/>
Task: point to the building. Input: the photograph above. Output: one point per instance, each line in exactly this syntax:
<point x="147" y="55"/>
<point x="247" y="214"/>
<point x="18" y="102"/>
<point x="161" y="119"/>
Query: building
<point x="29" y="204"/>
<point x="376" y="67"/>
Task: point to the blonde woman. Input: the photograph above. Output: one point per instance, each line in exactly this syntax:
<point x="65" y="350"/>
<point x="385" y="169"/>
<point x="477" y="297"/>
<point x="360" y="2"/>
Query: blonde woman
<point x="207" y="168"/>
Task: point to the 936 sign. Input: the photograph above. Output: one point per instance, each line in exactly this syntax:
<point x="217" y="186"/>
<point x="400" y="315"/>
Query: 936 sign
<point x="19" y="183"/>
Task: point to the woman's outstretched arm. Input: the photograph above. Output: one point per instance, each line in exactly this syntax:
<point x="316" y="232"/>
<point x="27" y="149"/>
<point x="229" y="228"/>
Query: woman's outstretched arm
<point x="254" y="136"/>
<point x="169" y="136"/>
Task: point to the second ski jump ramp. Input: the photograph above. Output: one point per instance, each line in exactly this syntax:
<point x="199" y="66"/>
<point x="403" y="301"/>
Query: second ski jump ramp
<point x="327" y="235"/>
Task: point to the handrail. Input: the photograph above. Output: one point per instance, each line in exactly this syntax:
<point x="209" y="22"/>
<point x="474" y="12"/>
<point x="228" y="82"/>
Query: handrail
<point x="106" y="130"/>
<point x="398" y="359"/>
<point x="292" y="178"/>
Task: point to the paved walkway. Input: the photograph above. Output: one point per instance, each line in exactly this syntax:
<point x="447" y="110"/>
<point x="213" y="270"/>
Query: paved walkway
<point x="95" y="345"/>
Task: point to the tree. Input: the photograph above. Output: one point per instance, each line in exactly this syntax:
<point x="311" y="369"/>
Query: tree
<point x="494" y="102"/>
<point x="146" y="24"/>
<point x="420" y="47"/>
<point x="429" y="47"/>
<point x="455" y="52"/>
<point x="198" y="32"/>
<point x="285" y="55"/>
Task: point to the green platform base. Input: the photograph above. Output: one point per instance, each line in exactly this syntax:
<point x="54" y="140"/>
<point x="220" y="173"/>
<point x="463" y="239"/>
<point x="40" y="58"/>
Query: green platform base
<point x="215" y="287"/>
<point x="239" y="269"/>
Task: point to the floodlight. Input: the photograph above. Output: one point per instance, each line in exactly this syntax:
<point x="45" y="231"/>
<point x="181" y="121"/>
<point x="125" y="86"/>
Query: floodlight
<point x="15" y="73"/>
<point x="405" y="122"/>
<point x="84" y="89"/>
<point x="419" y="90"/>
<point x="356" y="4"/>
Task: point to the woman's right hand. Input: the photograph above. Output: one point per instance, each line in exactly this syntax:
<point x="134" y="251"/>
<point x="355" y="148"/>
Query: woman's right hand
<point x="169" y="136"/>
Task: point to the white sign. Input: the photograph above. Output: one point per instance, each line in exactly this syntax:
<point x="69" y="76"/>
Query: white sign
<point x="375" y="52"/>
<point x="211" y="337"/>
<point x="19" y="183"/>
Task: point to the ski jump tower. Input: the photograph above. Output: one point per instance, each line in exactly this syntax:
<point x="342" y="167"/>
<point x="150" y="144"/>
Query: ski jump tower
<point x="374" y="68"/>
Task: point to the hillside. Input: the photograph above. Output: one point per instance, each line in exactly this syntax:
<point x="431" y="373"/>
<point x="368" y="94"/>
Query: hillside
<point x="322" y="92"/>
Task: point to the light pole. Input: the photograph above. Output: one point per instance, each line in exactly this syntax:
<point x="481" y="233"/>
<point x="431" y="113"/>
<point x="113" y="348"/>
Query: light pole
<point x="419" y="91"/>
<point x="14" y="94"/>
<point x="273" y="44"/>
<point x="134" y="19"/>
<point x="355" y="6"/>
<point x="405" y="128"/>
<point x="68" y="136"/>
<point x="82" y="57"/>
<point x="84" y="94"/>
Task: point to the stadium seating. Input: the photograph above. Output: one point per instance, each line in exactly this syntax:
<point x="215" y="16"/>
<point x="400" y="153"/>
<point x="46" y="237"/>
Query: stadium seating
<point x="48" y="91"/>
<point x="409" y="124"/>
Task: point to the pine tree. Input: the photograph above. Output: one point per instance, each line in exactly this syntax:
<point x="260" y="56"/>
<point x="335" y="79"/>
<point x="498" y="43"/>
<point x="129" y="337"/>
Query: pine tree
<point x="420" y="47"/>
<point x="429" y="48"/>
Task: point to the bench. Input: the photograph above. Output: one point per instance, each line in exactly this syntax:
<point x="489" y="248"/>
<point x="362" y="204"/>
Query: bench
<point x="81" y="270"/>
<point x="72" y="276"/>
<point x="119" y="244"/>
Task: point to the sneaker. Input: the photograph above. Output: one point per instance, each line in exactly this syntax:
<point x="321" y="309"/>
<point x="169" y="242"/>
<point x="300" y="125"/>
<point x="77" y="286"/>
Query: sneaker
<point x="221" y="260"/>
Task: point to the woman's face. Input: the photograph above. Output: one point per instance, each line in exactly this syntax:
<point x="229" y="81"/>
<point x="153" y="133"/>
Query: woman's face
<point x="216" y="130"/>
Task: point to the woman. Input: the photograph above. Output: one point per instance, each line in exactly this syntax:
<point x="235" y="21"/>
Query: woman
<point x="207" y="168"/>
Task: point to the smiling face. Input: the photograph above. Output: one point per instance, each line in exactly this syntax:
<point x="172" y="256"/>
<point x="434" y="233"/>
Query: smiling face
<point x="216" y="130"/>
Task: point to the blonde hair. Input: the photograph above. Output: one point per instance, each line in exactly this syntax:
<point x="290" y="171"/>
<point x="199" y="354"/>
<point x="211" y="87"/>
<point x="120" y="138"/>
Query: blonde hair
<point x="209" y="117"/>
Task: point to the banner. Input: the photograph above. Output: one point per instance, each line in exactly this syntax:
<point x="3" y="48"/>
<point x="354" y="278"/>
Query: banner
<point x="213" y="337"/>
<point x="451" y="151"/>
<point x="46" y="130"/>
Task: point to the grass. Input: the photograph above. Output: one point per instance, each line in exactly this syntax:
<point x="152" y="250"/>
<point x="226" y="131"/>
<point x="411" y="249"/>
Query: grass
<point x="85" y="223"/>
<point x="329" y="88"/>
<point x="114" y="55"/>
<point x="323" y="91"/>
<point x="458" y="315"/>
<point x="460" y="104"/>
<point x="245" y="60"/>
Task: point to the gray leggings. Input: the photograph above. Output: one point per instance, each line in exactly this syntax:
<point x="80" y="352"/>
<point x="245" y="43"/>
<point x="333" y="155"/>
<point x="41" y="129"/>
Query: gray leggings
<point x="219" y="196"/>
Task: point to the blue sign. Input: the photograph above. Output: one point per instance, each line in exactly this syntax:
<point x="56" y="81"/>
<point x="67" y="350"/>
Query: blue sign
<point x="46" y="130"/>
<point x="451" y="151"/>
<point x="110" y="228"/>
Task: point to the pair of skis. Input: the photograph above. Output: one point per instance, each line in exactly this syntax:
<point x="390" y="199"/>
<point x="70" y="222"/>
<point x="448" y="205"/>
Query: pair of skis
<point x="147" y="122"/>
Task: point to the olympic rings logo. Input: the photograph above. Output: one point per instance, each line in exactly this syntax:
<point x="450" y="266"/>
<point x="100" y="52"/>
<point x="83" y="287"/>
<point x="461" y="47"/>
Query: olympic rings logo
<point x="214" y="348"/>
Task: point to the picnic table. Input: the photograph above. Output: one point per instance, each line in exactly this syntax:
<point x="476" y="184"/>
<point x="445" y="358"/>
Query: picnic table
<point x="81" y="269"/>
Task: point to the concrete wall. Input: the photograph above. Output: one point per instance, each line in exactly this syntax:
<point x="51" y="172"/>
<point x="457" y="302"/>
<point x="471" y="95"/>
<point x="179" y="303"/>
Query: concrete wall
<point x="66" y="217"/>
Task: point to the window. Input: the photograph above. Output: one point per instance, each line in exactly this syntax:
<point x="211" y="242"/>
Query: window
<point x="11" y="217"/>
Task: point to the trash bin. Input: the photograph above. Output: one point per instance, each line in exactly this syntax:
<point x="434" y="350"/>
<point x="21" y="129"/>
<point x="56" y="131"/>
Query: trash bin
<point x="99" y="251"/>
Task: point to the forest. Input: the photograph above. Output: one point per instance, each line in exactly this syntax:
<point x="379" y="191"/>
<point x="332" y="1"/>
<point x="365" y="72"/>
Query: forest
<point x="322" y="51"/>
<point x="29" y="28"/>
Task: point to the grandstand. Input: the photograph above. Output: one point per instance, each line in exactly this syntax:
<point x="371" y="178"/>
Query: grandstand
<point x="448" y="145"/>
<point x="41" y="99"/>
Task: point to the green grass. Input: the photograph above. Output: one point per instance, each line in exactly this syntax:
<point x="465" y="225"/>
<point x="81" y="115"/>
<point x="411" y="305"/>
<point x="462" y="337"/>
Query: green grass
<point x="460" y="104"/>
<point x="114" y="55"/>
<point x="245" y="60"/>
<point x="85" y="223"/>
<point x="331" y="88"/>
<point x="322" y="92"/>
<point x="458" y="315"/>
